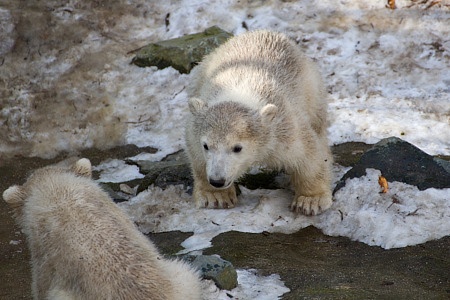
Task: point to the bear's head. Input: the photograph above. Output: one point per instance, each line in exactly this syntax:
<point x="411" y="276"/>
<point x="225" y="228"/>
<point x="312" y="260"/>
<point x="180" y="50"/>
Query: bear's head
<point x="231" y="136"/>
<point x="16" y="195"/>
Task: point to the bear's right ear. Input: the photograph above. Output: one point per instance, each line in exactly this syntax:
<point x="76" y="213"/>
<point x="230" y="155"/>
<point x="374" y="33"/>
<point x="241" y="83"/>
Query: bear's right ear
<point x="83" y="168"/>
<point x="196" y="105"/>
<point x="268" y="112"/>
<point x="14" y="196"/>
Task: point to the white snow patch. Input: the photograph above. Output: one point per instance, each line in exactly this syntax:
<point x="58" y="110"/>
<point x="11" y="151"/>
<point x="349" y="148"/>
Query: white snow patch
<point x="402" y="217"/>
<point x="251" y="286"/>
<point x="116" y="170"/>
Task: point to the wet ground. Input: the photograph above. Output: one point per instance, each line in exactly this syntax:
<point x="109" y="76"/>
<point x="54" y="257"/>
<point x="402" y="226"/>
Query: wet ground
<point x="312" y="265"/>
<point x="315" y="266"/>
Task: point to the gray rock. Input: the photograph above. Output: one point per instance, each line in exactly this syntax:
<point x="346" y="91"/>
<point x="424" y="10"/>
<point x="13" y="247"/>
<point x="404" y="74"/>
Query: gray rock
<point x="220" y="271"/>
<point x="400" y="161"/>
<point x="443" y="163"/>
<point x="181" y="53"/>
<point x="113" y="190"/>
<point x="164" y="173"/>
<point x="348" y="154"/>
<point x="148" y="167"/>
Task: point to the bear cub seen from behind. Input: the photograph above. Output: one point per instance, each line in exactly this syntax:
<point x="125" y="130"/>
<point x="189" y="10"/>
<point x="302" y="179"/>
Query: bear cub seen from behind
<point x="84" y="247"/>
<point x="257" y="100"/>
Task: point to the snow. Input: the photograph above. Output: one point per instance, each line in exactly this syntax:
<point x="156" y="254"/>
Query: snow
<point x="116" y="170"/>
<point x="404" y="216"/>
<point x="387" y="71"/>
<point x="251" y="286"/>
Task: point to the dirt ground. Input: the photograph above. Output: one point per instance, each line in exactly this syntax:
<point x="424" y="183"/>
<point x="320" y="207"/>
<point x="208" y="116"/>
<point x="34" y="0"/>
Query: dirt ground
<point x="14" y="255"/>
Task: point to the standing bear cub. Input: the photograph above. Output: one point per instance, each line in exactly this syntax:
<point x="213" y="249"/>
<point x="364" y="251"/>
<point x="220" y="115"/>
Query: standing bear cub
<point x="258" y="100"/>
<point x="84" y="247"/>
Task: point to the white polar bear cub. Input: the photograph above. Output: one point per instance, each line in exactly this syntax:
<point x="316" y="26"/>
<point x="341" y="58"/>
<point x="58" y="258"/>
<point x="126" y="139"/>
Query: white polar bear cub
<point x="258" y="100"/>
<point x="84" y="247"/>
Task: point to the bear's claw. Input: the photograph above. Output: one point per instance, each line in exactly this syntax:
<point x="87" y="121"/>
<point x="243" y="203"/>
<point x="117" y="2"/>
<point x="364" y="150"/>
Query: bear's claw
<point x="311" y="206"/>
<point x="216" y="199"/>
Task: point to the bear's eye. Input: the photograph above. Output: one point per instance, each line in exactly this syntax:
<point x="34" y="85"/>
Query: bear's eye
<point x="237" y="148"/>
<point x="205" y="146"/>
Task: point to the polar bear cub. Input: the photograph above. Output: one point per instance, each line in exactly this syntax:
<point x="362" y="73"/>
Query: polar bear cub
<point x="258" y="100"/>
<point x="84" y="247"/>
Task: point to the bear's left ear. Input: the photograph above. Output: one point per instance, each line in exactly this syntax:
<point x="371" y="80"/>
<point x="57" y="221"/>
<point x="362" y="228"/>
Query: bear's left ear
<point x="15" y="196"/>
<point x="83" y="168"/>
<point x="197" y="105"/>
<point x="268" y="112"/>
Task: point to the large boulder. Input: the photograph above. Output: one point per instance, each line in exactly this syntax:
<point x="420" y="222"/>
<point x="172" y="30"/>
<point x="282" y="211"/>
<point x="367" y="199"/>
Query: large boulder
<point x="400" y="161"/>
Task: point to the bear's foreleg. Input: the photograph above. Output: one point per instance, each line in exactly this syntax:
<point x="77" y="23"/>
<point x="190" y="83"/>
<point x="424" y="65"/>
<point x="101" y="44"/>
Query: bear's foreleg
<point x="207" y="196"/>
<point x="312" y="191"/>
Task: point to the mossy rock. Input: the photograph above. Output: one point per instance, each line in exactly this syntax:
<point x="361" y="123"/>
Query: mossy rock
<point x="181" y="53"/>
<point x="221" y="271"/>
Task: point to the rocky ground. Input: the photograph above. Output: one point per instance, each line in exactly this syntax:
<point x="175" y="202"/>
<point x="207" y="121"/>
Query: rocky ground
<point x="312" y="265"/>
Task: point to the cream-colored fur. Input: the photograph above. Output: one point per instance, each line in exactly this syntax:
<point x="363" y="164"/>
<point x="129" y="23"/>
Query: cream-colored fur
<point x="258" y="100"/>
<point x="84" y="247"/>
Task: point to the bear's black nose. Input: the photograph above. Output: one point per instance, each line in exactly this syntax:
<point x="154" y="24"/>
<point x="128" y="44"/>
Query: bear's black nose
<point x="217" y="183"/>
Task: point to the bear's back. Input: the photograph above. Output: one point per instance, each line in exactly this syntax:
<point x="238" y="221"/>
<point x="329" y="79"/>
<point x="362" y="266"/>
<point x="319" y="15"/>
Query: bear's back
<point x="257" y="68"/>
<point x="78" y="235"/>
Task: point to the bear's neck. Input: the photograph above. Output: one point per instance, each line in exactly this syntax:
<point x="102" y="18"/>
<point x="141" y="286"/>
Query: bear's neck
<point x="243" y="96"/>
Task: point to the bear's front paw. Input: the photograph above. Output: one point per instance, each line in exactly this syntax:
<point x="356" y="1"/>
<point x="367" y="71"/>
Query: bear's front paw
<point x="311" y="206"/>
<point x="225" y="198"/>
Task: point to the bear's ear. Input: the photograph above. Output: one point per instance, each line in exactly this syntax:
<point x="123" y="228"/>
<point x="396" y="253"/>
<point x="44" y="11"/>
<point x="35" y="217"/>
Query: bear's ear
<point x="15" y="196"/>
<point x="196" y="105"/>
<point x="268" y="112"/>
<point x="83" y="168"/>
